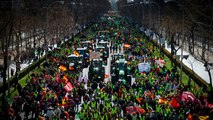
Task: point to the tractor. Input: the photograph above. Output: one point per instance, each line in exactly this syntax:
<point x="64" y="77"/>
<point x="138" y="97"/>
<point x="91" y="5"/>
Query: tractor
<point x="105" y="44"/>
<point x="73" y="62"/>
<point x="120" y="71"/>
<point x="96" y="70"/>
<point x="103" y="53"/>
<point x="84" y="56"/>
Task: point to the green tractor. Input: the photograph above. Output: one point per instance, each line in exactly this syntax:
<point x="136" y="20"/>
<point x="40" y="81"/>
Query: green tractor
<point x="120" y="71"/>
<point x="105" y="45"/>
<point x="103" y="53"/>
<point x="96" y="70"/>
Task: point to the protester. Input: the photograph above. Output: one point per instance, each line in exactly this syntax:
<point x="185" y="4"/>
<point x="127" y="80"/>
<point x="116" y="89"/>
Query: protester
<point x="54" y="93"/>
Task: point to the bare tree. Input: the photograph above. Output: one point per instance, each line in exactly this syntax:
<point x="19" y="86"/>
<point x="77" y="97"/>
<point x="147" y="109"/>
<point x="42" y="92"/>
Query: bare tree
<point x="6" y="29"/>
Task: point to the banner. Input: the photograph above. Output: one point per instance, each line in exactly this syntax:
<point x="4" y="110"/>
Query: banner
<point x="143" y="67"/>
<point x="68" y="87"/>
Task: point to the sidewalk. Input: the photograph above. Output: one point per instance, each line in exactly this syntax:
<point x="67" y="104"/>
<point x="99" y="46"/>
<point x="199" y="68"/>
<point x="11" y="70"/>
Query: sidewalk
<point x="191" y="62"/>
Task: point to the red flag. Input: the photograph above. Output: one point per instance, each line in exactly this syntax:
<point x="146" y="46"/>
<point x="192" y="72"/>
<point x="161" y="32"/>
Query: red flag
<point x="58" y="78"/>
<point x="190" y="116"/>
<point x="71" y="68"/>
<point x="139" y="110"/>
<point x="68" y="87"/>
<point x="174" y="103"/>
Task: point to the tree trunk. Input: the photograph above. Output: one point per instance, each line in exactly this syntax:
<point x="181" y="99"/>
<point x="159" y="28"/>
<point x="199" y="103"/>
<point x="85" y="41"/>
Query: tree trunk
<point x="193" y="42"/>
<point x="210" y="78"/>
<point x="34" y="37"/>
<point x="4" y="78"/>
<point x="17" y="57"/>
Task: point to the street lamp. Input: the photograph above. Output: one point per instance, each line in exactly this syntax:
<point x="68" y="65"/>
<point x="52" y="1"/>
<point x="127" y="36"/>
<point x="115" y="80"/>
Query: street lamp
<point x="46" y="27"/>
<point x="181" y="65"/>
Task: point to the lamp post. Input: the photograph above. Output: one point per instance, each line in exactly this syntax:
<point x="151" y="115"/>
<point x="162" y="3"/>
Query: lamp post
<point x="46" y="27"/>
<point x="182" y="43"/>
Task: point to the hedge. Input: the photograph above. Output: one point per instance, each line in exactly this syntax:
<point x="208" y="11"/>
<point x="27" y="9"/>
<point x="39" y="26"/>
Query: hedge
<point x="23" y="72"/>
<point x="196" y="78"/>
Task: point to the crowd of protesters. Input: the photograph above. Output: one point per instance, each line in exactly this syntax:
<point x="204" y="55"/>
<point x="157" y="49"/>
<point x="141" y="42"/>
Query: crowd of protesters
<point x="156" y="94"/>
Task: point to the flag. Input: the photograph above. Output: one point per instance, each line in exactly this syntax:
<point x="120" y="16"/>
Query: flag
<point x="190" y="116"/>
<point x="208" y="105"/>
<point x="160" y="62"/>
<point x="162" y="101"/>
<point x="76" y="53"/>
<point x="66" y="96"/>
<point x="71" y="68"/>
<point x="68" y="87"/>
<point x="174" y="103"/>
<point x="65" y="79"/>
<point x="62" y="68"/>
<point x="203" y="117"/>
<point x="58" y="78"/>
<point x="54" y="59"/>
<point x="139" y="110"/>
<point x="47" y="76"/>
<point x="106" y="76"/>
<point x="139" y="99"/>
<point x="63" y="102"/>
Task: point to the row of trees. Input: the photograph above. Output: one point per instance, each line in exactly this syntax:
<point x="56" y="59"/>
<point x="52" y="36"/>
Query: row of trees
<point x="186" y="23"/>
<point x="26" y="25"/>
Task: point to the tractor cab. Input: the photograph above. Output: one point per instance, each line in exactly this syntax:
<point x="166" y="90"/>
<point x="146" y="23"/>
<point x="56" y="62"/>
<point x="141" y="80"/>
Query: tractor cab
<point x="83" y="56"/>
<point x="87" y="44"/>
<point x="73" y="60"/>
<point x="103" y="53"/>
<point x="120" y="71"/>
<point x="96" y="70"/>
<point x="105" y="45"/>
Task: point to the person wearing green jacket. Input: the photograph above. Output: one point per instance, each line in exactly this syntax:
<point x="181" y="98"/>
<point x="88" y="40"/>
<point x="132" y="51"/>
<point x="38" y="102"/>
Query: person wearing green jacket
<point x="85" y="106"/>
<point x="158" y="110"/>
<point x="93" y="104"/>
<point x="96" y="115"/>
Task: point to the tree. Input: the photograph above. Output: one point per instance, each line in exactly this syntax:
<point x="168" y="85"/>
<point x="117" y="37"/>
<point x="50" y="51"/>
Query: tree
<point x="6" y="28"/>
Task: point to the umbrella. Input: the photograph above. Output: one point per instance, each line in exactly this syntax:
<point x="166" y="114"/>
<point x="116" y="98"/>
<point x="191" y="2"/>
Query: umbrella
<point x="134" y="110"/>
<point x="187" y="96"/>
